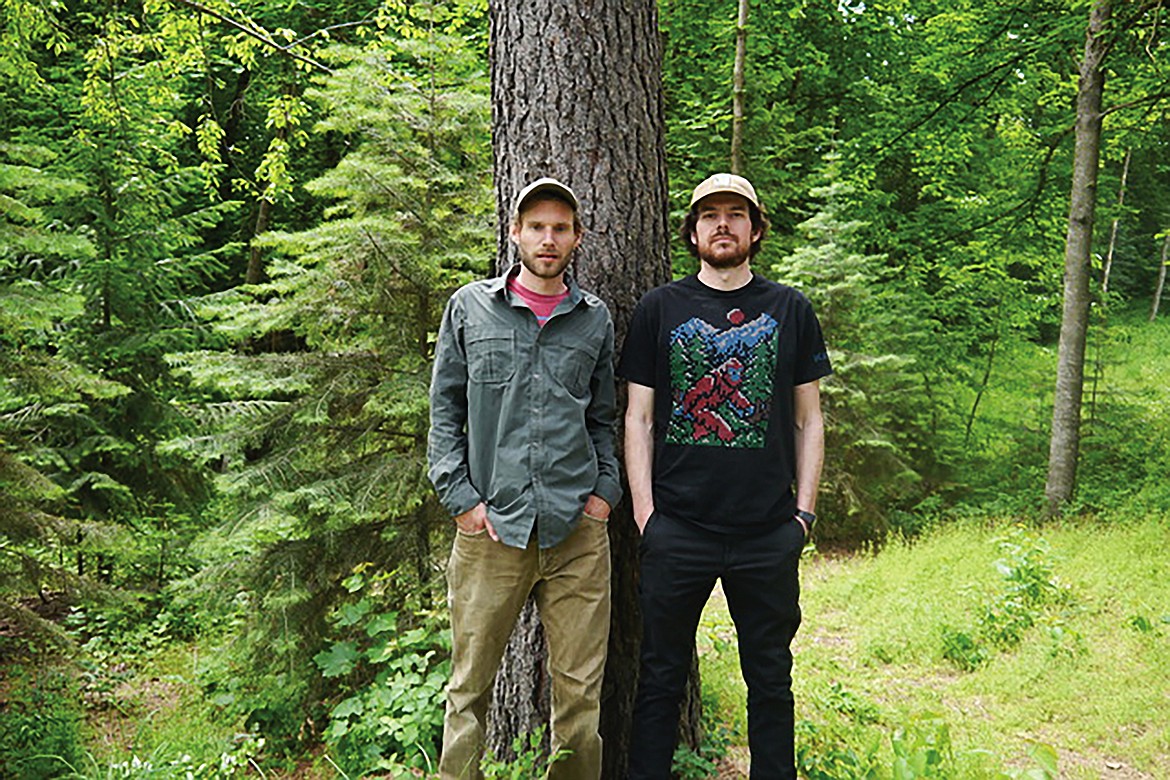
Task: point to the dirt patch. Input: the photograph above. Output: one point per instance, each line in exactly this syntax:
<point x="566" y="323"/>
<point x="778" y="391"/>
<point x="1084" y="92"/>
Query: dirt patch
<point x="735" y="765"/>
<point x="114" y="716"/>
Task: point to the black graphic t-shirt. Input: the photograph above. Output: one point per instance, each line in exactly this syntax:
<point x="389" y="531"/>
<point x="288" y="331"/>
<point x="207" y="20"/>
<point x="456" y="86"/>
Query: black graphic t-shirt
<point x="723" y="365"/>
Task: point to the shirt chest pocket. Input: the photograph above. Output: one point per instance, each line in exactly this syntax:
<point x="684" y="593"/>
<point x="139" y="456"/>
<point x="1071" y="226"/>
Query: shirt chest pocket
<point x="572" y="365"/>
<point x="491" y="358"/>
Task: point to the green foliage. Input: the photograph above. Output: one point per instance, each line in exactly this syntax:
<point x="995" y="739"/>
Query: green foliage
<point x="824" y="755"/>
<point x="1029" y="595"/>
<point x="923" y="751"/>
<point x="703" y="762"/>
<point x="390" y="713"/>
<point x="919" y="747"/>
<point x="876" y="434"/>
<point x="531" y="761"/>
<point x="317" y="423"/>
<point x="963" y="650"/>
<point x="356" y="141"/>
<point x="236" y="762"/>
<point x="40" y="723"/>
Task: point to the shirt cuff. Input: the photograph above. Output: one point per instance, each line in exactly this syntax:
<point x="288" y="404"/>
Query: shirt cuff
<point x="609" y="490"/>
<point x="460" y="499"/>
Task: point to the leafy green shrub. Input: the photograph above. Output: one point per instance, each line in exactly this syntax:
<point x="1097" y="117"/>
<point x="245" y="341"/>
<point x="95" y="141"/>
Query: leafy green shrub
<point x="1031" y="591"/>
<point x="841" y="739"/>
<point x="853" y="706"/>
<point x="40" y="724"/>
<point x="829" y="752"/>
<point x="531" y="761"/>
<point x="697" y="764"/>
<point x="391" y="717"/>
<point x="961" y="649"/>
<point x="923" y="750"/>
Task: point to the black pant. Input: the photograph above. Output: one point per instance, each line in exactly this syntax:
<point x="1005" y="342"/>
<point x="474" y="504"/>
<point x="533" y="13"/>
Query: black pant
<point x="680" y="563"/>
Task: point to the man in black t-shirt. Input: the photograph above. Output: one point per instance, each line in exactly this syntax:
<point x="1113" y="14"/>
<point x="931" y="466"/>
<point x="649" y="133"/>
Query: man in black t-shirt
<point x="724" y="444"/>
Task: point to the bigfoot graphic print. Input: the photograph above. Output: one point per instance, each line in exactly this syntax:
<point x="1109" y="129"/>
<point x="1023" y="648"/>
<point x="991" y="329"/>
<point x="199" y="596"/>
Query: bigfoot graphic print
<point x="722" y="378"/>
<point x="723" y="365"/>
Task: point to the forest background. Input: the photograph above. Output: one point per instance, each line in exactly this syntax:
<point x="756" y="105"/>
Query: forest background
<point x="228" y="230"/>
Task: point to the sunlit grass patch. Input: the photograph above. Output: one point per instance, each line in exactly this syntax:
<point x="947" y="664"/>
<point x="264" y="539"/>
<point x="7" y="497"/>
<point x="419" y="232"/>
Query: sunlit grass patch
<point x="1079" y="669"/>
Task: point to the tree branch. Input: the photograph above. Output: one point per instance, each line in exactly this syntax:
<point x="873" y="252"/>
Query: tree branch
<point x="1143" y="101"/>
<point x="258" y="34"/>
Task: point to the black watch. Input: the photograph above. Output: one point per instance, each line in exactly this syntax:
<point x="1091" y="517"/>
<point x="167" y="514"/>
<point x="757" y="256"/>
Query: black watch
<point x="808" y="517"/>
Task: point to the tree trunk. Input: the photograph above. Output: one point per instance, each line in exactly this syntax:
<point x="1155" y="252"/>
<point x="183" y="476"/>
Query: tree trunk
<point x="576" y="94"/>
<point x="1070" y="369"/>
<point x="1113" y="230"/>
<point x="1161" y="279"/>
<point x="255" y="273"/>
<point x="737" y="110"/>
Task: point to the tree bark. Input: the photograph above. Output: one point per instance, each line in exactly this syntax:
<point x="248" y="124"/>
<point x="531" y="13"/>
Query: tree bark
<point x="576" y="94"/>
<point x="1161" y="278"/>
<point x="1070" y="369"/>
<point x="737" y="109"/>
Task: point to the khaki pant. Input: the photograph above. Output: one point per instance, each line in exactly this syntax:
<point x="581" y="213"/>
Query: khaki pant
<point x="488" y="584"/>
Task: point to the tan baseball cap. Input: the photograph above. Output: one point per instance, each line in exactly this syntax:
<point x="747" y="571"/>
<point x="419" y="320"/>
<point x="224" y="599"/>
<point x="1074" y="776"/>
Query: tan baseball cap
<point x="545" y="184"/>
<point x="726" y="182"/>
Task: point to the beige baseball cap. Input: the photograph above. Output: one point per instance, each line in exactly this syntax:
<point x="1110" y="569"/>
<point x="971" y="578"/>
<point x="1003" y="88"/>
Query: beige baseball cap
<point x="726" y="182"/>
<point x="546" y="184"/>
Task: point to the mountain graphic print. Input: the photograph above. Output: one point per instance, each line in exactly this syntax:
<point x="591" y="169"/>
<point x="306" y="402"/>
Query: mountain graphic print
<point x="721" y="378"/>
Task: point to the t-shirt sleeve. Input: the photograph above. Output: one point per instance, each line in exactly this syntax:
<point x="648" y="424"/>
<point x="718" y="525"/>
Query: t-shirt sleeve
<point x="812" y="359"/>
<point x="639" y="353"/>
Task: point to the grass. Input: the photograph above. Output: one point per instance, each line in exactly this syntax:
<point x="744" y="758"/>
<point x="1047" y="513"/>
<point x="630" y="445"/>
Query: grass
<point x="1090" y="677"/>
<point x="157" y="714"/>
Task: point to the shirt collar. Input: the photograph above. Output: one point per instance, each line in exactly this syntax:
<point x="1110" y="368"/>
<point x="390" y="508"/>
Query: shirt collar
<point x="499" y="285"/>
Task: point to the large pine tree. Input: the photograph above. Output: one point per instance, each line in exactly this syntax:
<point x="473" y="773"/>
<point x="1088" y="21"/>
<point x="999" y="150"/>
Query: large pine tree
<point x="576" y="94"/>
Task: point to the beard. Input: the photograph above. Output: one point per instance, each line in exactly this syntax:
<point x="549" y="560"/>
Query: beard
<point x="542" y="269"/>
<point x="725" y="260"/>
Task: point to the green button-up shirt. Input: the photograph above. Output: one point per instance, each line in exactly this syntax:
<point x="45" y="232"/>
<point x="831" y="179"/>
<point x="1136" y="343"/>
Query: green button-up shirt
<point x="523" y="417"/>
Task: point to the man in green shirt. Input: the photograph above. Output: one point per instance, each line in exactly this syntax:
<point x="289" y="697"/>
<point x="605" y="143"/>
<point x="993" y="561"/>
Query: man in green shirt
<point x="521" y="453"/>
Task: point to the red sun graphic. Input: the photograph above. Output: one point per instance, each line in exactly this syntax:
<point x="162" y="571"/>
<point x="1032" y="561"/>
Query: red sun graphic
<point x="735" y="316"/>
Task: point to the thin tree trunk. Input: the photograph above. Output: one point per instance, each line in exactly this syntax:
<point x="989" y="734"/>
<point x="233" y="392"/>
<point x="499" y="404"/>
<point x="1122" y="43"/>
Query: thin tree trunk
<point x="1161" y="279"/>
<point x="1066" y="412"/>
<point x="737" y="109"/>
<point x="255" y="273"/>
<point x="1113" y="230"/>
<point x="576" y="94"/>
<point x="982" y="389"/>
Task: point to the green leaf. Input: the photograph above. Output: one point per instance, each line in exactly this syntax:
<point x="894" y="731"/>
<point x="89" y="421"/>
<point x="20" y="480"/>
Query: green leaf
<point x="337" y="660"/>
<point x="382" y="624"/>
<point x="351" y="706"/>
<point x="349" y="614"/>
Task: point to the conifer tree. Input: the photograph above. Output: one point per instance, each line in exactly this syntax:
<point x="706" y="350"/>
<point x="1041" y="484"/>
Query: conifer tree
<point x="322" y="445"/>
<point x="40" y="391"/>
<point x="875" y="436"/>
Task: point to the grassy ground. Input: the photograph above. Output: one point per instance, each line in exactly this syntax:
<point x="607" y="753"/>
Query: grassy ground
<point x="895" y="655"/>
<point x="1090" y="677"/>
